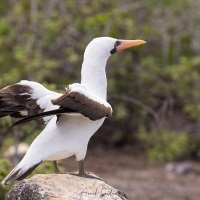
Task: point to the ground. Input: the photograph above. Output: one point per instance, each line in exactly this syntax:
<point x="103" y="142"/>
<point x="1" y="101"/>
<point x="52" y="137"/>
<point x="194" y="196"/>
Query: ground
<point x="139" y="180"/>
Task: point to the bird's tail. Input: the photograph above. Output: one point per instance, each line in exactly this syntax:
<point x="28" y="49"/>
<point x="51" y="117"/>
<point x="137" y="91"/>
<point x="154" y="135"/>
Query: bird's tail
<point x="18" y="173"/>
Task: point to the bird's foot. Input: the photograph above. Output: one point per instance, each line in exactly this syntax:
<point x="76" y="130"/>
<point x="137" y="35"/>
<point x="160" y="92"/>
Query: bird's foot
<point x="86" y="175"/>
<point x="82" y="173"/>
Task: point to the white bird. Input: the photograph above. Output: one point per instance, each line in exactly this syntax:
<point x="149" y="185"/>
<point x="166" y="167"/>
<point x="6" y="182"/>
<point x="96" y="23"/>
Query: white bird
<point x="71" y="118"/>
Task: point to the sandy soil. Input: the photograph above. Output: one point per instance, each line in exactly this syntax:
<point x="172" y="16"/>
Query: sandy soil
<point x="139" y="180"/>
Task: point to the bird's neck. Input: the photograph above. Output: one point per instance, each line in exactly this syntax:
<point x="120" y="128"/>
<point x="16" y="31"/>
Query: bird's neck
<point x="93" y="76"/>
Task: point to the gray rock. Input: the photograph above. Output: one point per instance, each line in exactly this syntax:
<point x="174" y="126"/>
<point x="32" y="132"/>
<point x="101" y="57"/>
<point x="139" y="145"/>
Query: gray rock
<point x="63" y="187"/>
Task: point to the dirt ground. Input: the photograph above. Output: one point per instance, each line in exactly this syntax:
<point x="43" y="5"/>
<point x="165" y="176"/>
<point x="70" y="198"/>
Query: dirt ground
<point x="137" y="179"/>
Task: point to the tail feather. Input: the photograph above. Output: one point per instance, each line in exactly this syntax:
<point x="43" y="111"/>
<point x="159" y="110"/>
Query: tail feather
<point x="24" y="175"/>
<point x="18" y="174"/>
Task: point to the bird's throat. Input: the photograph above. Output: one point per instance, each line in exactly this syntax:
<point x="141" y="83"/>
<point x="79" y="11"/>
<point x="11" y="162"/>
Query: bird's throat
<point x="93" y="76"/>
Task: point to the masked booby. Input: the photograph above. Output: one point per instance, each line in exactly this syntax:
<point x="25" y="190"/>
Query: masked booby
<point x="71" y="118"/>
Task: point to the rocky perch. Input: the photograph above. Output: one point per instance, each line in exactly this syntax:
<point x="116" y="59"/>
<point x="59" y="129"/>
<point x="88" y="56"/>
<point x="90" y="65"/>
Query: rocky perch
<point x="63" y="187"/>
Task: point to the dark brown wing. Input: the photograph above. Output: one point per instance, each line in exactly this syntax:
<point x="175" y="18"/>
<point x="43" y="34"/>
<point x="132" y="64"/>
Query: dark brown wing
<point x="82" y="104"/>
<point x="74" y="102"/>
<point x="16" y="101"/>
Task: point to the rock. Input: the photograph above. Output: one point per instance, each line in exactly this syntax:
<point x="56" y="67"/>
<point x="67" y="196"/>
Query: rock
<point x="180" y="168"/>
<point x="184" y="168"/>
<point x="63" y="187"/>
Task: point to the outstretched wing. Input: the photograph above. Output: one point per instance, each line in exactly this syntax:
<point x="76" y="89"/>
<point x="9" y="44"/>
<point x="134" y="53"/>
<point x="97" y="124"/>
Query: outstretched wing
<point x="25" y="98"/>
<point x="76" y="100"/>
<point x="81" y="103"/>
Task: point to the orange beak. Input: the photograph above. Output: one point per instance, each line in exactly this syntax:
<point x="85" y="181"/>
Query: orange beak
<point x="125" y="44"/>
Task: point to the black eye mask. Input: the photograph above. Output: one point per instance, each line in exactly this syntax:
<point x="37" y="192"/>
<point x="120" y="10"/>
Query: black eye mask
<point x="114" y="50"/>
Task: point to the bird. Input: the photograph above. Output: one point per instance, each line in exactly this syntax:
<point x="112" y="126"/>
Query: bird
<point x="71" y="118"/>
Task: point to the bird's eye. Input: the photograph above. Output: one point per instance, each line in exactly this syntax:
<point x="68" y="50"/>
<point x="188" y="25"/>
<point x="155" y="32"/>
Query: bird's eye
<point x="117" y="43"/>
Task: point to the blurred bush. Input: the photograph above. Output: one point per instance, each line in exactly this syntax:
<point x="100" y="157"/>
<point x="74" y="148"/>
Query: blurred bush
<point x="168" y="145"/>
<point x="5" y="168"/>
<point x="46" y="168"/>
<point x="184" y="83"/>
<point x="156" y="86"/>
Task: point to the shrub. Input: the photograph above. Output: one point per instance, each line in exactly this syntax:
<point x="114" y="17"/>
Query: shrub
<point x="5" y="168"/>
<point x="167" y="145"/>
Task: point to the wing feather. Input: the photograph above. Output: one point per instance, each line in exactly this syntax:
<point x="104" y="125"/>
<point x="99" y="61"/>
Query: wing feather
<point x="76" y="100"/>
<point x="21" y="99"/>
<point x="81" y="103"/>
<point x="15" y="100"/>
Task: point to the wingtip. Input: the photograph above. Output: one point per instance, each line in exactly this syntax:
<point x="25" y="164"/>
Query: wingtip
<point x="6" y="181"/>
<point x="3" y="183"/>
<point x="11" y="126"/>
<point x="16" y="123"/>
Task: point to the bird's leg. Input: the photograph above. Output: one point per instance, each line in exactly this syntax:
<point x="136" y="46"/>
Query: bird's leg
<point x="83" y="174"/>
<point x="56" y="170"/>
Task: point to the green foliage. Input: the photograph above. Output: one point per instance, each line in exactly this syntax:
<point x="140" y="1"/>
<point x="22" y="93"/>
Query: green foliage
<point x="5" y="168"/>
<point x="44" y="41"/>
<point x="43" y="168"/>
<point x="168" y="145"/>
<point x="121" y="112"/>
<point x="185" y="85"/>
<point x="46" y="168"/>
<point x="4" y="28"/>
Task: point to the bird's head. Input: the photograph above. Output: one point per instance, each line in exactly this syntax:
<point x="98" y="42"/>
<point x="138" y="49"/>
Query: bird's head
<point x="103" y="47"/>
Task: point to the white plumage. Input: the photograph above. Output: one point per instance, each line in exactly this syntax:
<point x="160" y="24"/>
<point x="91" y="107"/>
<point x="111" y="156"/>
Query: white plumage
<point x="77" y="114"/>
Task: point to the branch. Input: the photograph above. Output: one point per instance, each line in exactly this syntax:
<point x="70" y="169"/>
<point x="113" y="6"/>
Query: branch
<point x="139" y="103"/>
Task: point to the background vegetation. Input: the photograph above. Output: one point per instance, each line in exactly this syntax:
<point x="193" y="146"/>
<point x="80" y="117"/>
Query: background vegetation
<point x="154" y="89"/>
